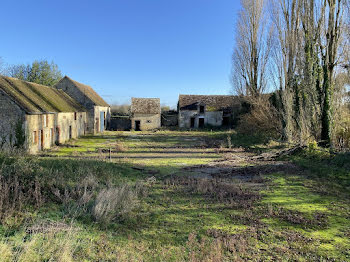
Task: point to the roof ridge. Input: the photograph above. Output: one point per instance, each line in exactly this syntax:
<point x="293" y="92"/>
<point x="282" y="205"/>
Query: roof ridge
<point x="89" y="92"/>
<point x="33" y="97"/>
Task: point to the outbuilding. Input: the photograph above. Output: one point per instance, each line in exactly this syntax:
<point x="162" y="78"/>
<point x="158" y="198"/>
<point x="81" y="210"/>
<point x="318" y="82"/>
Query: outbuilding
<point x="98" y="111"/>
<point x="198" y="111"/>
<point x="36" y="117"/>
<point x="145" y="114"/>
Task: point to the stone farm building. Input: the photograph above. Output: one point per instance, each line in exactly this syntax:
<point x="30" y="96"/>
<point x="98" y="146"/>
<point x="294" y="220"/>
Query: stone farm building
<point x="36" y="116"/>
<point x="197" y="111"/>
<point x="145" y="114"/>
<point x="98" y="111"/>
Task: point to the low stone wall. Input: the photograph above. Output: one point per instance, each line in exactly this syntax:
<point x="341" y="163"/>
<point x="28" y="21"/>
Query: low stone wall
<point x="170" y="119"/>
<point x="120" y="123"/>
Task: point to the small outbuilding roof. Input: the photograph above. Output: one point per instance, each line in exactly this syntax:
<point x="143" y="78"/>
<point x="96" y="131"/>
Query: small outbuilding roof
<point x="145" y="105"/>
<point x="35" y="98"/>
<point x="88" y="91"/>
<point x="212" y="102"/>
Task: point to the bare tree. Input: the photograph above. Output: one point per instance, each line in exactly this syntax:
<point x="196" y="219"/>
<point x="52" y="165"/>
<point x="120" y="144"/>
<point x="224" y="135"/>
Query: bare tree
<point x="2" y="69"/>
<point x="286" y="18"/>
<point x="252" y="51"/>
<point x="329" y="44"/>
<point x="310" y="68"/>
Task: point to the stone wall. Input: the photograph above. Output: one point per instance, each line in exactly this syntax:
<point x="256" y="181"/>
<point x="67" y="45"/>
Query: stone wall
<point x="119" y="123"/>
<point x="93" y="117"/>
<point x="147" y="121"/>
<point x="10" y="115"/>
<point x="97" y="118"/>
<point x="212" y="118"/>
<point x="40" y="130"/>
<point x="170" y="119"/>
<point x="70" y="88"/>
<point x="70" y="125"/>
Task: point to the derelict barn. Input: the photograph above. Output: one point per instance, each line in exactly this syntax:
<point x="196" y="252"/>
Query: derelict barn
<point x="37" y="117"/>
<point x="98" y="111"/>
<point x="198" y="111"/>
<point x="145" y="114"/>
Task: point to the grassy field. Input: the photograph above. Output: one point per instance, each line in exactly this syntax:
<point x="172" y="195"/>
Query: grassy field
<point x="200" y="196"/>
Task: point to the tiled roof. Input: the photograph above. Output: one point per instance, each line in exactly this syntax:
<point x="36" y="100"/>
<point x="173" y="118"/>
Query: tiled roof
<point x="145" y="105"/>
<point x="212" y="102"/>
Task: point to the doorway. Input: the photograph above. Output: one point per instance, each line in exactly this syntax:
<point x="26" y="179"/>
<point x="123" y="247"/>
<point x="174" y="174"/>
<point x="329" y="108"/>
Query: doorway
<point x="41" y="145"/>
<point x="193" y="120"/>
<point x="226" y="121"/>
<point x="70" y="132"/>
<point x="57" y="136"/>
<point x="137" y="125"/>
<point x="102" y="123"/>
<point x="201" y="122"/>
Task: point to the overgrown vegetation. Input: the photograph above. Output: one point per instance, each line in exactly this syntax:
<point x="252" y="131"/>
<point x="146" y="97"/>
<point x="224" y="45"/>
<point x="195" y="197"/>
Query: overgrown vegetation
<point x="298" y="51"/>
<point x="174" y="196"/>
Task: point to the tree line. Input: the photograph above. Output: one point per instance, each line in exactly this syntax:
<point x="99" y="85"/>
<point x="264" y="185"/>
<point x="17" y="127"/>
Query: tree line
<point x="40" y="72"/>
<point x="298" y="51"/>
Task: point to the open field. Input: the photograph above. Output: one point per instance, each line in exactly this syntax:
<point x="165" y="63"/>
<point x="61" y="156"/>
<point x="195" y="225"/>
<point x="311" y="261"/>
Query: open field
<point x="204" y="198"/>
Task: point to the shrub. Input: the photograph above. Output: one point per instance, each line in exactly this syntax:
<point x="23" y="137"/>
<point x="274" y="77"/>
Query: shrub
<point x="76" y="199"/>
<point x="313" y="147"/>
<point x="19" y="187"/>
<point x="20" y="135"/>
<point x="262" y="118"/>
<point x="114" y="202"/>
<point x="342" y="134"/>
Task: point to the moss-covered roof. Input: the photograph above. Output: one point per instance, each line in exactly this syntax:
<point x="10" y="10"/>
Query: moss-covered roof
<point x="145" y="105"/>
<point x="35" y="98"/>
<point x="89" y="92"/>
<point x="212" y="102"/>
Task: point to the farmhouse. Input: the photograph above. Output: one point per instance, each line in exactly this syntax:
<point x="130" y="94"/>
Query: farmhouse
<point x="197" y="111"/>
<point x="98" y="111"/>
<point x="36" y="117"/>
<point x="145" y="113"/>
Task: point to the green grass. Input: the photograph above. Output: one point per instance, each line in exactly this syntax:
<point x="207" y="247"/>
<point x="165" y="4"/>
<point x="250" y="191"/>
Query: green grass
<point x="302" y="215"/>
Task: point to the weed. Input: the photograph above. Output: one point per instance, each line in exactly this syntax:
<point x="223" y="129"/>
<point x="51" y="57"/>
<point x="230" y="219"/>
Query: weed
<point x="233" y="195"/>
<point x="19" y="186"/>
<point x="115" y="202"/>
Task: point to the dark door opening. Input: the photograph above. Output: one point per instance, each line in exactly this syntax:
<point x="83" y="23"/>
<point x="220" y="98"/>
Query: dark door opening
<point x="41" y="146"/>
<point x="137" y="125"/>
<point x="192" y="122"/>
<point x="70" y="132"/>
<point x="226" y="121"/>
<point x="57" y="135"/>
<point x="201" y="122"/>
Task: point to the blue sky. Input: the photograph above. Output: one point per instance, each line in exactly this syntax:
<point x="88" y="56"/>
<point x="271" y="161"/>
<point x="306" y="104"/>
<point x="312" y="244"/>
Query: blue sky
<point x="126" y="48"/>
